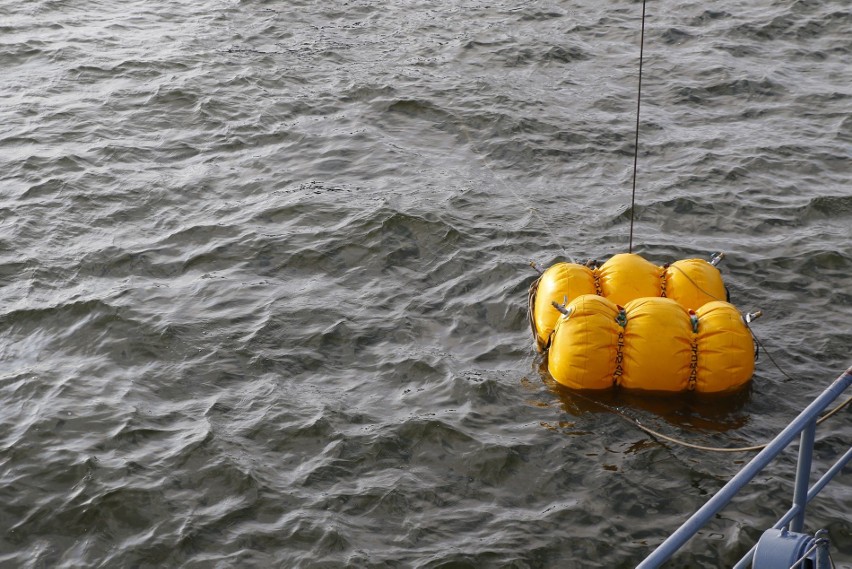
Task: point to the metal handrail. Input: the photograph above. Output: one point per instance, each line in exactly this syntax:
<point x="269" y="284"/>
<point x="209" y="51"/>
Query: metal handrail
<point x="804" y="423"/>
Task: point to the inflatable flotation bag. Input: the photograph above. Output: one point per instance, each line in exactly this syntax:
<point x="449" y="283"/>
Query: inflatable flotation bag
<point x="623" y="278"/>
<point x="651" y="343"/>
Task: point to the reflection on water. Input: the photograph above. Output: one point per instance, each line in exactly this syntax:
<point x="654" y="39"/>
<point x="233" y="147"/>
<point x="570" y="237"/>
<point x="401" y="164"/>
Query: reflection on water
<point x="689" y="411"/>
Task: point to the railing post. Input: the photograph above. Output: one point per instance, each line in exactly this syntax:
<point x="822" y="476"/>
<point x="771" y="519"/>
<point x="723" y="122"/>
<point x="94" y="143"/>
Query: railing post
<point x="804" y="422"/>
<point x="803" y="476"/>
<point x="823" y="557"/>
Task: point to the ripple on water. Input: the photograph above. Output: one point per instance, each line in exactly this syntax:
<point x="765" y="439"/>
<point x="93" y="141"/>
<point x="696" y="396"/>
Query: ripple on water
<point x="264" y="273"/>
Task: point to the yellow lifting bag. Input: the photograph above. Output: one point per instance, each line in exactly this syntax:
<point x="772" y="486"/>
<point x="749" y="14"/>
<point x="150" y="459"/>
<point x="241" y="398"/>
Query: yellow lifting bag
<point x="693" y="283"/>
<point x="725" y="349"/>
<point x="559" y="282"/>
<point x="657" y="345"/>
<point x="628" y="276"/>
<point x="585" y="344"/>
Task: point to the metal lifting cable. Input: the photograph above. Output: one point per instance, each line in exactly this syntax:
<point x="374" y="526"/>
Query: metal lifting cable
<point x="755" y="448"/>
<point x="636" y="142"/>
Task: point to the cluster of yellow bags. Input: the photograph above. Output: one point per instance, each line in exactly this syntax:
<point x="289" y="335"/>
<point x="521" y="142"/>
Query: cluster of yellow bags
<point x="640" y="326"/>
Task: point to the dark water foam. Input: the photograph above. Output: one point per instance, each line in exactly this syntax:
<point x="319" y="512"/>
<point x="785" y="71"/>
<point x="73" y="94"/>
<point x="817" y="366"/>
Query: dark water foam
<point x="264" y="273"/>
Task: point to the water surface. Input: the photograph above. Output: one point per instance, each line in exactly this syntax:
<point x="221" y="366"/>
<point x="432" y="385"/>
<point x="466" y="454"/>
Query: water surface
<point x="264" y="270"/>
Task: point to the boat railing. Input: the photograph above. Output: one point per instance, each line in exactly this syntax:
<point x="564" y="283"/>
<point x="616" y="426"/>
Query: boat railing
<point x="805" y="425"/>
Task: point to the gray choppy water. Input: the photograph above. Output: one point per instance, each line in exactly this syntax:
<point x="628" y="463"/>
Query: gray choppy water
<point x="263" y="271"/>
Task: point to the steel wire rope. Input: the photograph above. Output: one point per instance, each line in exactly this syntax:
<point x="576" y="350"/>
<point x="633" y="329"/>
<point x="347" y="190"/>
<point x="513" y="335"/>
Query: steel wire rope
<point x="526" y="203"/>
<point x="813" y="548"/>
<point x="636" y="141"/>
